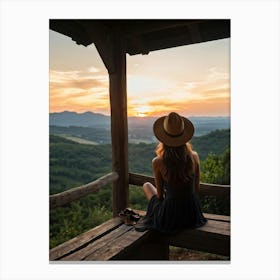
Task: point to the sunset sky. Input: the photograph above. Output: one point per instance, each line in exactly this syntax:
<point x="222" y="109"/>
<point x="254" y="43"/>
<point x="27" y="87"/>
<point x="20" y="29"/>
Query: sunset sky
<point x="192" y="80"/>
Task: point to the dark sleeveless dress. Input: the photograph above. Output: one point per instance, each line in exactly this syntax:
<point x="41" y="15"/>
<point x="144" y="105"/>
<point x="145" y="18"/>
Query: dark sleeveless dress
<point x="178" y="210"/>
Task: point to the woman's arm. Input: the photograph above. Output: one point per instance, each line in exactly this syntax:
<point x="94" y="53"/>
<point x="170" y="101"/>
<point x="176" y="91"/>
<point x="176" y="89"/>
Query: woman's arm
<point x="197" y="171"/>
<point x="156" y="163"/>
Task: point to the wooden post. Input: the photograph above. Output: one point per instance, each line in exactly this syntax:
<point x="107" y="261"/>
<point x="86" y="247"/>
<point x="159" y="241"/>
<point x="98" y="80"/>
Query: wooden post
<point x="119" y="131"/>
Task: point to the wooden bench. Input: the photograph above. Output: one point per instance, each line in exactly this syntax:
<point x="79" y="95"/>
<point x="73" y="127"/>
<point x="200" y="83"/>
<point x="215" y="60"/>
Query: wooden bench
<point x="114" y="240"/>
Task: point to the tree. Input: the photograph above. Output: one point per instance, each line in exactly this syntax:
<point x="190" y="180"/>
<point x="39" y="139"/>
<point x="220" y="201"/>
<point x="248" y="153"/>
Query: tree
<point x="216" y="170"/>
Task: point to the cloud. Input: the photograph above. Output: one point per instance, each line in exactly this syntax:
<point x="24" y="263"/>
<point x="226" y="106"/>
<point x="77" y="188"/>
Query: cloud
<point x="216" y="92"/>
<point x="93" y="69"/>
<point x="145" y="85"/>
<point x="89" y="90"/>
<point x="216" y="84"/>
<point x="209" y="96"/>
<point x="78" y="90"/>
<point x="76" y="79"/>
<point x="217" y="73"/>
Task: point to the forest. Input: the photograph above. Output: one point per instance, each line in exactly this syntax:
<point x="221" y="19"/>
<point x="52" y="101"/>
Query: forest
<point x="73" y="164"/>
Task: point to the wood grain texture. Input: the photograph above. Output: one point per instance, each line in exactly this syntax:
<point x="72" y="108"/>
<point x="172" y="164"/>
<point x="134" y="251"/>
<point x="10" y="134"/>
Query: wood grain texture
<point x="119" y="246"/>
<point x="216" y="217"/>
<point x="103" y="41"/>
<point x="202" y="240"/>
<point x="214" y="189"/>
<point x="96" y="245"/>
<point x="217" y="227"/>
<point x="73" y="194"/>
<point x="139" y="179"/>
<point x="114" y="240"/>
<point x="208" y="216"/>
<point x="83" y="239"/>
<point x="119" y="130"/>
<point x="213" y="237"/>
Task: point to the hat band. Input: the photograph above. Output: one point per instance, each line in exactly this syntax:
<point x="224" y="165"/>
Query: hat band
<point x="174" y="135"/>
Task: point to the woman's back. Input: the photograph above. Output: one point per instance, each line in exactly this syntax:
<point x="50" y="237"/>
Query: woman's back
<point x="178" y="210"/>
<point x="179" y="207"/>
<point x="179" y="192"/>
<point x="173" y="203"/>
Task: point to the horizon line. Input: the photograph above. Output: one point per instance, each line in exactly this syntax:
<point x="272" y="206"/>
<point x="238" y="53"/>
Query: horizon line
<point x="142" y="117"/>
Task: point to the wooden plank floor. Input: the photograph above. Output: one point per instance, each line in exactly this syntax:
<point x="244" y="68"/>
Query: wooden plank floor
<point x="213" y="237"/>
<point x="101" y="243"/>
<point x="83" y="239"/>
<point x="122" y="244"/>
<point x="217" y="217"/>
<point x="113" y="240"/>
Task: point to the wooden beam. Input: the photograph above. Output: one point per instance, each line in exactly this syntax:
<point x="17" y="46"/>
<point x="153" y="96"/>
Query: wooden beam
<point x="205" y="189"/>
<point x="139" y="27"/>
<point x="105" y="51"/>
<point x="192" y="33"/>
<point x="213" y="237"/>
<point x="139" y="179"/>
<point x="119" y="131"/>
<point x="214" y="189"/>
<point x="215" y="217"/>
<point x="71" y="28"/>
<point x="138" y="44"/>
<point x="208" y="216"/>
<point x="195" y="33"/>
<point x="68" y="196"/>
<point x="102" y="37"/>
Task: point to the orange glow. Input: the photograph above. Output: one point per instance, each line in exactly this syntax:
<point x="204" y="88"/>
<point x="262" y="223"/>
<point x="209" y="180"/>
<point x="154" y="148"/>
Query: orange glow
<point x="191" y="80"/>
<point x="80" y="94"/>
<point x="141" y="111"/>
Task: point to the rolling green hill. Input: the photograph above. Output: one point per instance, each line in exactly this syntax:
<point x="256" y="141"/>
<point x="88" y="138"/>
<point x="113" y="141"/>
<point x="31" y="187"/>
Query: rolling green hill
<point x="214" y="142"/>
<point x="73" y="164"/>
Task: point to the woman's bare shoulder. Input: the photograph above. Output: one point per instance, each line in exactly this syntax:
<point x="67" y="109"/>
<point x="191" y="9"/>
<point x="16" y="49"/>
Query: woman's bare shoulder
<point x="157" y="161"/>
<point x="195" y="155"/>
<point x="159" y="167"/>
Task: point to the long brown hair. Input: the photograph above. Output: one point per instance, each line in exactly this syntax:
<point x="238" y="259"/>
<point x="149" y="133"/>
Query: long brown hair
<point x="179" y="162"/>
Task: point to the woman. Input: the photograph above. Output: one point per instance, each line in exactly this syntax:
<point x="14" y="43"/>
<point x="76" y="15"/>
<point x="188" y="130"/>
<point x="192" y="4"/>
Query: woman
<point x="173" y="202"/>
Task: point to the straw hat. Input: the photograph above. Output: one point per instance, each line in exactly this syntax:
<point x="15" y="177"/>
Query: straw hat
<point x="173" y="130"/>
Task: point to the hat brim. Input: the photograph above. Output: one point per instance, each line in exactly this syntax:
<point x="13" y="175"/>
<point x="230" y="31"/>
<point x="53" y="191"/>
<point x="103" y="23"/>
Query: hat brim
<point x="173" y="141"/>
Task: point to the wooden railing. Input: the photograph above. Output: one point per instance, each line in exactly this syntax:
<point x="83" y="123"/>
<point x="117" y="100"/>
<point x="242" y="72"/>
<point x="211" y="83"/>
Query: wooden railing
<point x="73" y="194"/>
<point x="65" y="197"/>
<point x="205" y="189"/>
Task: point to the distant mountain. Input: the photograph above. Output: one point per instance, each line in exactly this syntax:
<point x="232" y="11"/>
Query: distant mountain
<point x="87" y="119"/>
<point x="90" y="119"/>
<point x="137" y="126"/>
<point x="204" y="125"/>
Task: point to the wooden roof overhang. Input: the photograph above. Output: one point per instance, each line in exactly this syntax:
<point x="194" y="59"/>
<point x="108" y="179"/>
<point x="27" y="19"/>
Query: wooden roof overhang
<point x="140" y="36"/>
<point x="114" y="39"/>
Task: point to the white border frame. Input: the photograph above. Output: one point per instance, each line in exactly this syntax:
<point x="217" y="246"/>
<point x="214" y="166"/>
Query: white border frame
<point x="254" y="146"/>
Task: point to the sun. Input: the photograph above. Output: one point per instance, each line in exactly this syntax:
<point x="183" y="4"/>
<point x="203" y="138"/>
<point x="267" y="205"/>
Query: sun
<point x="142" y="111"/>
<point x="141" y="115"/>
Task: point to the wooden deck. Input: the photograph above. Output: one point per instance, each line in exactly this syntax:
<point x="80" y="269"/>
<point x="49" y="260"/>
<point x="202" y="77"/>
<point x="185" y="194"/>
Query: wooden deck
<point x="100" y="243"/>
<point x="114" y="240"/>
